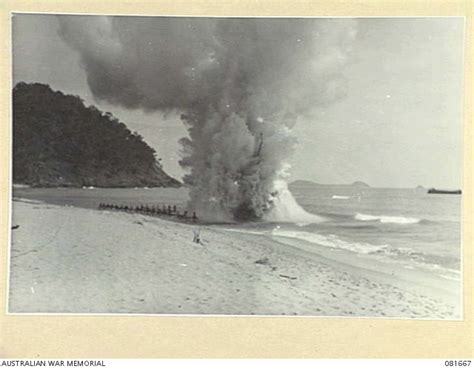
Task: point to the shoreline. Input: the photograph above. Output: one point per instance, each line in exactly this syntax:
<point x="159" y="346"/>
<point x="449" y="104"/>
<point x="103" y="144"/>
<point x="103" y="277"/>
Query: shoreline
<point x="110" y="262"/>
<point x="414" y="281"/>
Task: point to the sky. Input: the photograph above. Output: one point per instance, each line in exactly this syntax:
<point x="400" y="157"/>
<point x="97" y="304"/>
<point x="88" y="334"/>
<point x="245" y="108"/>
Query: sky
<point x="398" y="124"/>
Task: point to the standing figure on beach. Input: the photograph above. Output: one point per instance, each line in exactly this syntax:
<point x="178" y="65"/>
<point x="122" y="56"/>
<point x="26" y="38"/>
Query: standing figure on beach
<point x="197" y="236"/>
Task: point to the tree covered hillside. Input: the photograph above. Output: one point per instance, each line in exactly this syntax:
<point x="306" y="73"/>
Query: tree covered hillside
<point x="58" y="141"/>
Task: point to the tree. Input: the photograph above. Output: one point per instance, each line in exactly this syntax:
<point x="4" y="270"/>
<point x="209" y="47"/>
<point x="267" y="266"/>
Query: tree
<point x="57" y="141"/>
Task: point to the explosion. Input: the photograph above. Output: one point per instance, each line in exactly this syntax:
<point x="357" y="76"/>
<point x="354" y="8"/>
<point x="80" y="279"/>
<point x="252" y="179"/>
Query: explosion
<point x="239" y="85"/>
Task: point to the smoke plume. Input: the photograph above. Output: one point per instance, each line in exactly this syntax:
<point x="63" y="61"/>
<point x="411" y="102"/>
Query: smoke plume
<point x="239" y="85"/>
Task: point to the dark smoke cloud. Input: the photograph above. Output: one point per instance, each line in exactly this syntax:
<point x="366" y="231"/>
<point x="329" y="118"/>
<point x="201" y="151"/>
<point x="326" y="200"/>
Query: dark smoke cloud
<point x="240" y="84"/>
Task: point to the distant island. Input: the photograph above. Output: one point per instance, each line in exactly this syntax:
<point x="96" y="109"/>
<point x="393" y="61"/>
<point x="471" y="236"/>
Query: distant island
<point x="306" y="183"/>
<point x="360" y="184"/>
<point x="59" y="142"/>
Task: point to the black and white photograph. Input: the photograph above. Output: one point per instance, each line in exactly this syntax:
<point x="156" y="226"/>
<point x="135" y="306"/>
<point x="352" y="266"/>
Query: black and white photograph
<point x="252" y="166"/>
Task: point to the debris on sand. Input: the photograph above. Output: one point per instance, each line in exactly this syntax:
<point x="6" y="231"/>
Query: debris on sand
<point x="263" y="261"/>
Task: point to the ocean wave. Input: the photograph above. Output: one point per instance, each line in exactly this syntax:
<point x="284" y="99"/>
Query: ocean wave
<point x="386" y="219"/>
<point x="331" y="241"/>
<point x="366" y="248"/>
<point x="339" y="197"/>
<point x="411" y="258"/>
<point x="452" y="275"/>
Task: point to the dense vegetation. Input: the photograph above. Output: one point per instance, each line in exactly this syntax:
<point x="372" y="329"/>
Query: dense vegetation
<point x="58" y="141"/>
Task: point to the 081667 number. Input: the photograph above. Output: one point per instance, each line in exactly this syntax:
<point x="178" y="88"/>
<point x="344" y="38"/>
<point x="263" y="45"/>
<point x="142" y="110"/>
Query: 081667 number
<point x="457" y="363"/>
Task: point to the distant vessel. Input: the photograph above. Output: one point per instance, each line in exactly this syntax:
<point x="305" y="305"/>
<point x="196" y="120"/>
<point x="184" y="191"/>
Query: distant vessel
<point x="444" y="192"/>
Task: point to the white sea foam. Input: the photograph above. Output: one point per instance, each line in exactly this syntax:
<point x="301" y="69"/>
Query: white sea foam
<point x="451" y="275"/>
<point x="409" y="258"/>
<point x="331" y="241"/>
<point x="386" y="219"/>
<point x="335" y="242"/>
<point x="286" y="209"/>
<point x="339" y="197"/>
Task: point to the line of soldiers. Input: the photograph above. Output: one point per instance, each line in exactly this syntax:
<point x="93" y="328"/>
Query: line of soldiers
<point x="153" y="210"/>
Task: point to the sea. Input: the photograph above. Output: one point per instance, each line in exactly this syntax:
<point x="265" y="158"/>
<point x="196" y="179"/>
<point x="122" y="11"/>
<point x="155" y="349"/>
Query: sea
<point x="399" y="231"/>
<point x="388" y="230"/>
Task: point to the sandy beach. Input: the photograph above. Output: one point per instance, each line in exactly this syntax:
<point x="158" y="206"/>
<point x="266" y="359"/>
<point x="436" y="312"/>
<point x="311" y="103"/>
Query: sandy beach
<point x="73" y="260"/>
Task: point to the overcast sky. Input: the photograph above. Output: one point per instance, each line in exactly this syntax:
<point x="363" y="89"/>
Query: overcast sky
<point x="398" y="125"/>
